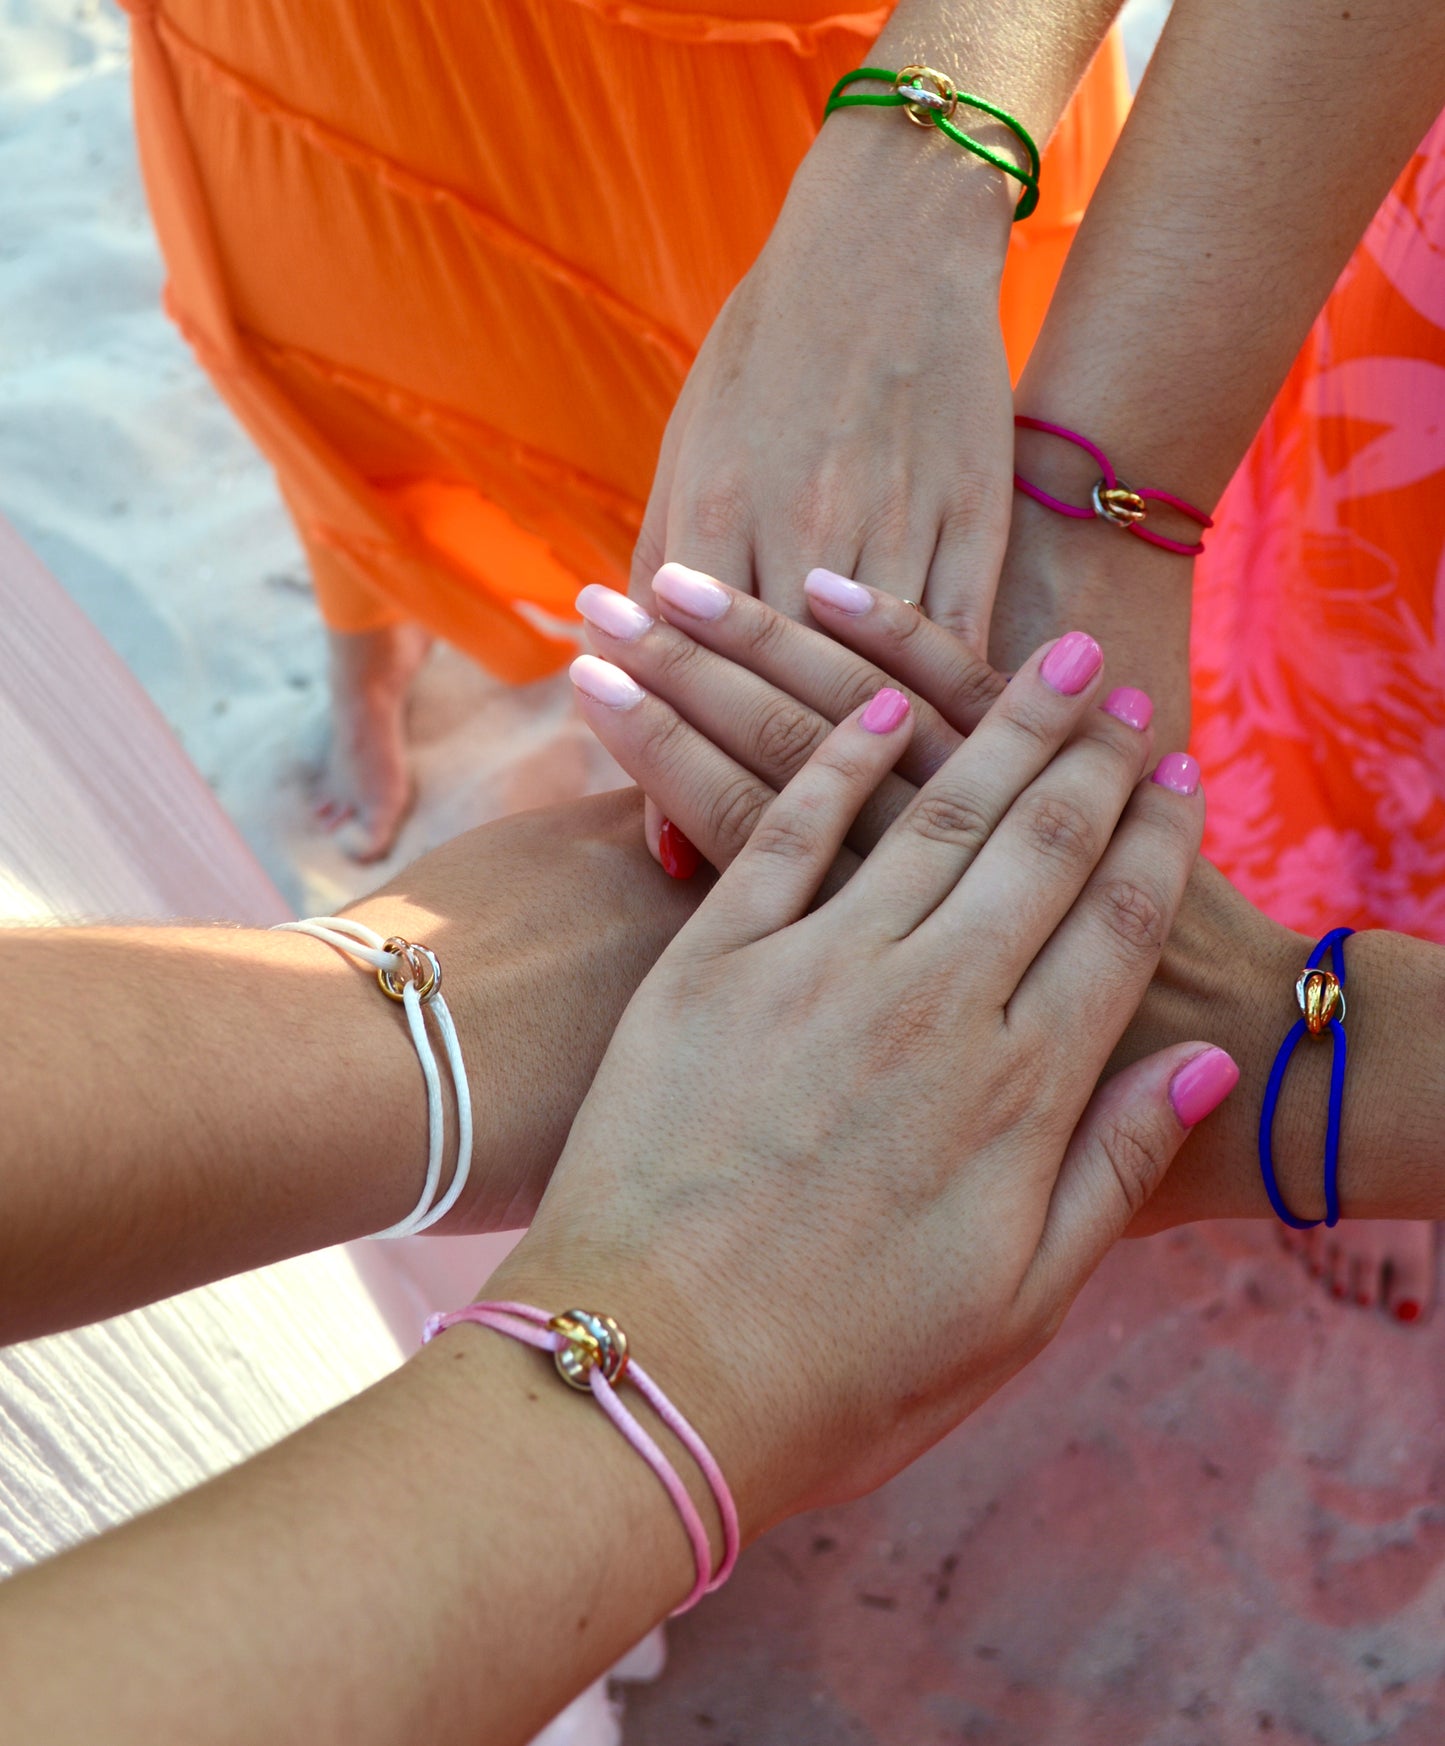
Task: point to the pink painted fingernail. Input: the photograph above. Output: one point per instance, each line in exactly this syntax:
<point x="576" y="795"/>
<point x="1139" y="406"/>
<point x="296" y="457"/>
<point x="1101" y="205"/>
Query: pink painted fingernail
<point x="1126" y="704"/>
<point x="1179" y="772"/>
<point x="691" y="592"/>
<point x="835" y="590"/>
<point x="612" y="613"/>
<point x="886" y="710"/>
<point x="1201" y="1085"/>
<point x="604" y="683"/>
<point x="1071" y="663"/>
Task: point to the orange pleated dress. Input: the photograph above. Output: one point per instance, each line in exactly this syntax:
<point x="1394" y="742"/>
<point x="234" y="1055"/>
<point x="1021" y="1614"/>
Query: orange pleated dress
<point x="449" y="263"/>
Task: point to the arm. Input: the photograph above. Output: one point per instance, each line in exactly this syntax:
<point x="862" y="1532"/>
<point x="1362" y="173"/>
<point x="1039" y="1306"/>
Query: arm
<point x="851" y="405"/>
<point x="186" y="1103"/>
<point x="786" y="1265"/>
<point x="1263" y="138"/>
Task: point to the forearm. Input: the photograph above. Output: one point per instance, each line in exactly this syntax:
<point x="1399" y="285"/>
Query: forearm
<point x="1225" y="216"/>
<point x="186" y="1103"/>
<point x="407" y="1568"/>
<point x="1262" y="140"/>
<point x="1392" y="1140"/>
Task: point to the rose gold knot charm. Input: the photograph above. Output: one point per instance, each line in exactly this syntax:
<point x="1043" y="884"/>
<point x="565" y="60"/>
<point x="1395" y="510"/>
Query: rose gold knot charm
<point x="928" y="94"/>
<point x="418" y="965"/>
<point x="594" y="1342"/>
<point x="1118" y="503"/>
<point x="1321" y="1000"/>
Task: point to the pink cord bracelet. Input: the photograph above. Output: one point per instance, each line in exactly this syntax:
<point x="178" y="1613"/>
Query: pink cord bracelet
<point x="1111" y="500"/>
<point x="590" y="1352"/>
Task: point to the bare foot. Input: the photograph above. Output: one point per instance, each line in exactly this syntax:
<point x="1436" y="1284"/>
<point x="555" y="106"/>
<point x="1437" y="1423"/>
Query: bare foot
<point x="366" y="791"/>
<point x="1384" y="1264"/>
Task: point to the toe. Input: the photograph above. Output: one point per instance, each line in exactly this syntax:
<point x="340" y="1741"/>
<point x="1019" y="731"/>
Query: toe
<point x="1410" y="1270"/>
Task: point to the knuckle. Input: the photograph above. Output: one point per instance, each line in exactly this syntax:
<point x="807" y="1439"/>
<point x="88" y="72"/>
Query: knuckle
<point x="1027" y="721"/>
<point x="1135" y="915"/>
<point x="823" y="508"/>
<point x="954" y="818"/>
<point x="787" y="834"/>
<point x="1061" y="830"/>
<point x="980" y="506"/>
<point x="758" y="630"/>
<point x="786" y="735"/>
<point x="1132" y="1150"/>
<point x="720" y="511"/>
<point x="734" y="810"/>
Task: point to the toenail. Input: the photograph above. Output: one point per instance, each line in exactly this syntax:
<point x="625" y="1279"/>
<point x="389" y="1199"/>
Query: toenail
<point x="1407" y="1310"/>
<point x="1336" y="1289"/>
<point x="1362" y="1300"/>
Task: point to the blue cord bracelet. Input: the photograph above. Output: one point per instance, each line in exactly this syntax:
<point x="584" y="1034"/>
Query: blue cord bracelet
<point x="1321" y="995"/>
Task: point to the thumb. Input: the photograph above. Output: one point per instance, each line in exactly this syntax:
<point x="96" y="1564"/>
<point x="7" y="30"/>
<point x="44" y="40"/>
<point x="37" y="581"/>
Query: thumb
<point x="1126" y="1140"/>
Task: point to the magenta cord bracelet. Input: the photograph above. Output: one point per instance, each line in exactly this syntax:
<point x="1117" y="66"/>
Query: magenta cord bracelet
<point x="1124" y="506"/>
<point x="590" y="1352"/>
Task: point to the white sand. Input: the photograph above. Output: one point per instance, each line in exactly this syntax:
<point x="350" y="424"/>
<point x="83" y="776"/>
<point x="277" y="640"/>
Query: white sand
<point x="127" y="475"/>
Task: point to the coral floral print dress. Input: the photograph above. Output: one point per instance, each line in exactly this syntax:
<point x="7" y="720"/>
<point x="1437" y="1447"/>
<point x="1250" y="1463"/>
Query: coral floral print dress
<point x="1319" y="630"/>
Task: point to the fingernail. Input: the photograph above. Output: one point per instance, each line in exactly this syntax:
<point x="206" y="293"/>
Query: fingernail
<point x="612" y="613"/>
<point x="1179" y="772"/>
<point x="604" y="683"/>
<point x="1072" y="663"/>
<point x="835" y="590"/>
<point x="678" y="856"/>
<point x="1201" y="1085"/>
<point x="691" y="592"/>
<point x="1126" y="704"/>
<point x="1407" y="1310"/>
<point x="885" y="711"/>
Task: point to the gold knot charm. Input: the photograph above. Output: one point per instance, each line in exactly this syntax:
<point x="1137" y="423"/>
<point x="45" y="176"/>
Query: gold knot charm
<point x="1321" y="1000"/>
<point x="593" y="1342"/>
<point x="929" y="95"/>
<point x="418" y="964"/>
<point x="1119" y="504"/>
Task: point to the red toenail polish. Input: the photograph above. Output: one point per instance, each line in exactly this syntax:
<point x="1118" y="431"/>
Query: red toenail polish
<point x="1315" y="1270"/>
<point x="1336" y="1289"/>
<point x="1407" y="1310"/>
<point x="676" y="853"/>
<point x="1363" y="1301"/>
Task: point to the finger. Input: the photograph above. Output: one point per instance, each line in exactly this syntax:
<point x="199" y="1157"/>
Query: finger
<point x="931" y="662"/>
<point x="1036" y="863"/>
<point x="950" y="820"/>
<point x="781" y="868"/>
<point x="1126" y="1140"/>
<point x="710" y="527"/>
<point x="963" y="576"/>
<point x="897" y="551"/>
<point x="1097" y="965"/>
<point x="793" y="657"/>
<point x="753" y="722"/>
<point x="713" y="800"/>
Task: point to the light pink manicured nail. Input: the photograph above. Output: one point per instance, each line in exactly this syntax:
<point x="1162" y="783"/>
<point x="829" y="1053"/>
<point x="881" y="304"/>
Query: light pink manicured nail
<point x="887" y="709"/>
<point x="604" y="683"/>
<point x="1134" y="708"/>
<point x="1071" y="663"/>
<point x="1201" y="1085"/>
<point x="835" y="590"/>
<point x="1179" y="772"/>
<point x="691" y="592"/>
<point x="612" y="613"/>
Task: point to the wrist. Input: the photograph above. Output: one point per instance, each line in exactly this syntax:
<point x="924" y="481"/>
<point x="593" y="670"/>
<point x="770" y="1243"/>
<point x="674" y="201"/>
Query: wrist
<point x="919" y="193"/>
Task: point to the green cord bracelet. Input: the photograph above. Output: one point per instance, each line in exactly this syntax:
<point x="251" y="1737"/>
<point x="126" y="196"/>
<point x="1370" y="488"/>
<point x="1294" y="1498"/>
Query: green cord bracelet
<point x="929" y="99"/>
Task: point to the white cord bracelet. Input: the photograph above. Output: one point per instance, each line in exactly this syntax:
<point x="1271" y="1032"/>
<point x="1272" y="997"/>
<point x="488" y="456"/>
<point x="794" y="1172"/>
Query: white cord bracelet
<point x="411" y="974"/>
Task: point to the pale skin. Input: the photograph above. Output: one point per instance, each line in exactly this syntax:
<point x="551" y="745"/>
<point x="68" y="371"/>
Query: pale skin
<point x="728" y="705"/>
<point x="409" y="1567"/>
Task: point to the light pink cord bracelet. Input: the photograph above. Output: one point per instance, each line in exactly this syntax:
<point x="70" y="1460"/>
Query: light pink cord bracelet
<point x="594" y="1356"/>
<point x="1111" y="500"/>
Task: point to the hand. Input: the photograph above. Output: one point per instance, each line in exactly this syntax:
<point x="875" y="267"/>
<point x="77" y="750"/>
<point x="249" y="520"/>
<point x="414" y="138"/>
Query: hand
<point x="754" y="693"/>
<point x="851" y="406"/>
<point x="828" y="1241"/>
